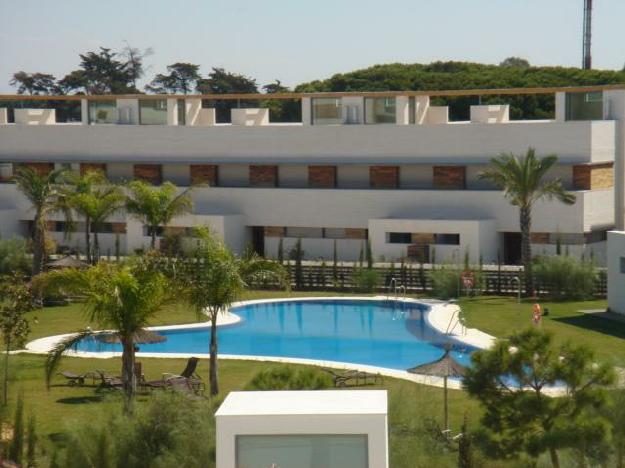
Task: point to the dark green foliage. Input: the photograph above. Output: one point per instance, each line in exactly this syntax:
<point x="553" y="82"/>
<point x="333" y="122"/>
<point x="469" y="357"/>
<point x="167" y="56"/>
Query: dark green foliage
<point x="290" y="378"/>
<point x="13" y="256"/>
<point x="170" y="431"/>
<point x="466" y="75"/>
<point x="566" y="278"/>
<point x="220" y="81"/>
<point x="369" y="255"/>
<point x="365" y="280"/>
<point x="335" y="268"/>
<point x="520" y="418"/>
<point x="281" y="251"/>
<point x="297" y="254"/>
<point x="181" y="78"/>
<point x="31" y="440"/>
<point x="16" y="449"/>
<point x="465" y="450"/>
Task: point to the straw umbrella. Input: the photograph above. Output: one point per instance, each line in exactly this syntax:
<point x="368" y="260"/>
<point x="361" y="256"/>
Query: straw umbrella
<point x="444" y="367"/>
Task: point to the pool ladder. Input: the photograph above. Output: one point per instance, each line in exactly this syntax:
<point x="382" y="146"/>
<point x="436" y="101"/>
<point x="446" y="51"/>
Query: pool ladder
<point x="397" y="289"/>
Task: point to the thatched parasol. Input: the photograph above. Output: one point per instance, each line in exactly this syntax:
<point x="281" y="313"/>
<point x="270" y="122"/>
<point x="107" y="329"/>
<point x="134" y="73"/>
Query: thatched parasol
<point x="66" y="262"/>
<point x="444" y="367"/>
<point x="141" y="337"/>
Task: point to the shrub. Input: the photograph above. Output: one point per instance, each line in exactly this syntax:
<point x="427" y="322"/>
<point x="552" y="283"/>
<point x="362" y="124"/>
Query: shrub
<point x="445" y="281"/>
<point x="168" y="431"/>
<point x="14" y="256"/>
<point x="565" y="278"/>
<point x="365" y="280"/>
<point x="290" y="378"/>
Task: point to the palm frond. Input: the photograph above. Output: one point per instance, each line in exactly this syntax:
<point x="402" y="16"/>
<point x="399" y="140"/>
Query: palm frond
<point x="54" y="356"/>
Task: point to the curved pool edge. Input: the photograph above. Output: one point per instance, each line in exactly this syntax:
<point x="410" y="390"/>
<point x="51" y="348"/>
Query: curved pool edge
<point x="438" y="317"/>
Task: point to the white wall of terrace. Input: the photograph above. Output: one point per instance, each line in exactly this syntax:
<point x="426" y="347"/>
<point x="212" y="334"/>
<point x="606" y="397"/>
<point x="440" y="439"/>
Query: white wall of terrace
<point x="573" y="142"/>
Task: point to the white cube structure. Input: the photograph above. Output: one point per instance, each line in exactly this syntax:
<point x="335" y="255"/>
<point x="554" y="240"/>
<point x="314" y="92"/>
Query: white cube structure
<point x="300" y="429"/>
<point x="616" y="271"/>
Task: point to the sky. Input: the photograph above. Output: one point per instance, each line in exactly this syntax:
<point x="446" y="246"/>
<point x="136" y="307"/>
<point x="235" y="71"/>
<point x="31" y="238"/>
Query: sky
<point x="297" y="41"/>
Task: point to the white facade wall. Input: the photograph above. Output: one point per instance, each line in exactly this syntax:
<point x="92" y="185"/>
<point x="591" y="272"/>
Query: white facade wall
<point x="292" y="175"/>
<point x="234" y="175"/>
<point x="321" y="412"/>
<point x="352" y="176"/>
<point x="616" y="271"/>
<point x="573" y="142"/>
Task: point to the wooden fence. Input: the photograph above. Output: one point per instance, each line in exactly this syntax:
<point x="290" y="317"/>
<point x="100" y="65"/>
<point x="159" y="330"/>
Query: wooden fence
<point x="415" y="278"/>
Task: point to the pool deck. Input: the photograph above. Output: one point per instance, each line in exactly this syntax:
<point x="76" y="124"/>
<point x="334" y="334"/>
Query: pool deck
<point x="442" y="316"/>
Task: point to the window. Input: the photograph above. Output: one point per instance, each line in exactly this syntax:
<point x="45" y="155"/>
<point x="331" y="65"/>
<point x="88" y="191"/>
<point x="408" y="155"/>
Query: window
<point x="399" y="238"/>
<point x="584" y="106"/>
<point x="622" y="265"/>
<point x="411" y="110"/>
<point x="380" y="110"/>
<point x="103" y="112"/>
<point x="302" y="451"/>
<point x="334" y="233"/>
<point x="326" y="111"/>
<point x="447" y="239"/>
<point x="153" y="112"/>
<point x="152" y="173"/>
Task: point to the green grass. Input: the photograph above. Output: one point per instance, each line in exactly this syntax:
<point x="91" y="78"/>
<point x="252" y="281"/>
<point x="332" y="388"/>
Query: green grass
<point x="501" y="316"/>
<point x="62" y="407"/>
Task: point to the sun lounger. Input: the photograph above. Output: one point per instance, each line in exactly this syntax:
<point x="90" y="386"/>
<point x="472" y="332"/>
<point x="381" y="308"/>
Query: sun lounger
<point x="77" y="379"/>
<point x="354" y="378"/>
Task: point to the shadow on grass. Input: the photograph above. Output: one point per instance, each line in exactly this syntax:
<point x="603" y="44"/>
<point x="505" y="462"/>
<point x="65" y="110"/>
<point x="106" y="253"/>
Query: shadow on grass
<point x="600" y="325"/>
<point x="80" y="400"/>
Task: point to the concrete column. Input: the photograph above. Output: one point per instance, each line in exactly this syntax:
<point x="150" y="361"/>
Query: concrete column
<point x="306" y="111"/>
<point x="84" y="111"/>
<point x="402" y="110"/>
<point x="134" y="236"/>
<point x="421" y="105"/>
<point x="4" y="116"/>
<point x="560" y="107"/>
<point x="172" y="111"/>
<point x="614" y="102"/>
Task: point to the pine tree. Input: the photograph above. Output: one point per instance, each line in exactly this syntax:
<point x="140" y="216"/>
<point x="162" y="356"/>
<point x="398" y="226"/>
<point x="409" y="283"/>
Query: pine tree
<point x="298" y="254"/>
<point x="335" y="270"/>
<point x="369" y="255"/>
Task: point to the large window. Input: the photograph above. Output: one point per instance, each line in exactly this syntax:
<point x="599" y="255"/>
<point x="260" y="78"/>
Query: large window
<point x="584" y="106"/>
<point x="182" y="112"/>
<point x="399" y="238"/>
<point x="380" y="110"/>
<point x="153" y="112"/>
<point x="326" y="111"/>
<point x="302" y="451"/>
<point x="103" y="112"/>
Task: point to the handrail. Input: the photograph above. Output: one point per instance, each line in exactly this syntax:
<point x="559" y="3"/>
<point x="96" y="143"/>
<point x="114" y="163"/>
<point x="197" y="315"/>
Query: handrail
<point x="264" y="96"/>
<point x="455" y="315"/>
<point x="391" y="283"/>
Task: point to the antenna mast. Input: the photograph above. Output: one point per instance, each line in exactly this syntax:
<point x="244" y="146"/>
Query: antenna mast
<point x="587" y="59"/>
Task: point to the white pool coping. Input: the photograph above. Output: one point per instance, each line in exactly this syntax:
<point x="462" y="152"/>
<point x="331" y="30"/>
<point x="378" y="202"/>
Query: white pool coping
<point x="441" y="316"/>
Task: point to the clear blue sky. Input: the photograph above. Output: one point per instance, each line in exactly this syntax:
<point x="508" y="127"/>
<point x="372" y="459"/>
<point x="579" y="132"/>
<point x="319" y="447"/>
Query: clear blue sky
<point x="297" y="40"/>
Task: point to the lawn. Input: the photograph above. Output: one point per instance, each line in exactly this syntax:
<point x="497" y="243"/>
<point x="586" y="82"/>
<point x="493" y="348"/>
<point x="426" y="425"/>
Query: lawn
<point x="411" y="407"/>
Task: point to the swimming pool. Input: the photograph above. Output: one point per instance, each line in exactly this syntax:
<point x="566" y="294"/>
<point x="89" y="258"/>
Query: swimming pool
<point x="390" y="334"/>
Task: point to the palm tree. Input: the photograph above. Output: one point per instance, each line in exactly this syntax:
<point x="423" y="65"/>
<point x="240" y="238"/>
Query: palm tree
<point x="96" y="199"/>
<point x="522" y="180"/>
<point x="45" y="193"/>
<point x="157" y="206"/>
<point x="122" y="298"/>
<point x="215" y="278"/>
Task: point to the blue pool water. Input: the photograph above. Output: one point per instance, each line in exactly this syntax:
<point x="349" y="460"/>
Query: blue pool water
<point x="385" y="334"/>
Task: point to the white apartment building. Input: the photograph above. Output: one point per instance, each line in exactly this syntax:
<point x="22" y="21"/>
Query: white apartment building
<point x="387" y="167"/>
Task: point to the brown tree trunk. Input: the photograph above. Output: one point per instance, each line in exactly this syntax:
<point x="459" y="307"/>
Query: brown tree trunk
<point x="128" y="373"/>
<point x="525" y="222"/>
<point x="88" y="239"/>
<point x="39" y="243"/>
<point x="214" y="386"/>
<point x="553" y="454"/>
<point x="96" y="246"/>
